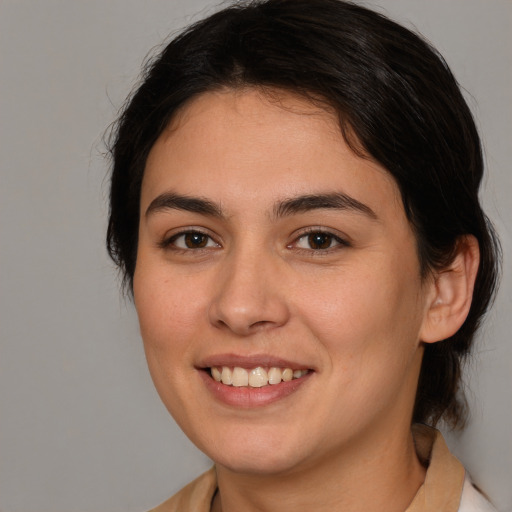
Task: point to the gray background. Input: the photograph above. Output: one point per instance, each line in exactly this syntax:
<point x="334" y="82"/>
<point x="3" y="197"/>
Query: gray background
<point x="82" y="429"/>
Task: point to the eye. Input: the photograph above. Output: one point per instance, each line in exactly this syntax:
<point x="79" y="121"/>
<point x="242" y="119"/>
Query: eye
<point x="191" y="240"/>
<point x="319" y="241"/>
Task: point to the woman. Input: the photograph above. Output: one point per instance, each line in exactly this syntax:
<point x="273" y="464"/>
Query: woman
<point x="294" y="206"/>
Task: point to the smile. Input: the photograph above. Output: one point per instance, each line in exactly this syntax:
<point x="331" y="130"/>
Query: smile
<point x="256" y="377"/>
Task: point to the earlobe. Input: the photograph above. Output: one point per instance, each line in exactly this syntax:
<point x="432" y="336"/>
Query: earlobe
<point x="452" y="292"/>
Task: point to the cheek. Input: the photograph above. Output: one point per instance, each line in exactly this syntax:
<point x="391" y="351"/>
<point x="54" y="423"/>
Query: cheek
<point x="169" y="311"/>
<point x="168" y="315"/>
<point x="365" y="319"/>
<point x="369" y="335"/>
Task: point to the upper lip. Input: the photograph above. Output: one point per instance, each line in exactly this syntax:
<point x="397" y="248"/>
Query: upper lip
<point x="251" y="361"/>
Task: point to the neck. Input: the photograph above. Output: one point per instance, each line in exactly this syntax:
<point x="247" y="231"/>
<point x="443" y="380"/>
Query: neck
<point x="381" y="474"/>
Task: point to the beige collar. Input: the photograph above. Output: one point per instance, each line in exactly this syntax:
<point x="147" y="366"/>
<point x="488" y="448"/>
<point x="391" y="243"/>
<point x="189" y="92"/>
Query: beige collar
<point x="442" y="488"/>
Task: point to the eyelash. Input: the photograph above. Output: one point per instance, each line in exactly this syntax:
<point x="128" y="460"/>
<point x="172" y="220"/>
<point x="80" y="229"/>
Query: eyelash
<point x="170" y="242"/>
<point x="339" y="242"/>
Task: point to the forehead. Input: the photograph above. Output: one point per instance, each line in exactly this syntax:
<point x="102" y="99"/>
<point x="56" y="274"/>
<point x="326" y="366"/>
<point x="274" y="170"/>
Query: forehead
<point x="260" y="143"/>
<point x="253" y="117"/>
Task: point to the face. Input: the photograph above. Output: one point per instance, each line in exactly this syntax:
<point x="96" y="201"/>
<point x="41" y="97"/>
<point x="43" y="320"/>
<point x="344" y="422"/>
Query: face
<point x="277" y="284"/>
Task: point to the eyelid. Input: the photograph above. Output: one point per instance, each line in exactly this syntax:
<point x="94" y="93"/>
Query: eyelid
<point x="167" y="242"/>
<point x="341" y="239"/>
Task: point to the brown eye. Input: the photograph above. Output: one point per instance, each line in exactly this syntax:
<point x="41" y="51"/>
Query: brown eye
<point x="320" y="240"/>
<point x="191" y="240"/>
<point x="195" y="240"/>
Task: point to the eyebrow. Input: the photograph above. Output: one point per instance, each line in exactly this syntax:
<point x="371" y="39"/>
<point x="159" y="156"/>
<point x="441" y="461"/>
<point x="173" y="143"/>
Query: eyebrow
<point x="171" y="201"/>
<point x="335" y="201"/>
<point x="284" y="208"/>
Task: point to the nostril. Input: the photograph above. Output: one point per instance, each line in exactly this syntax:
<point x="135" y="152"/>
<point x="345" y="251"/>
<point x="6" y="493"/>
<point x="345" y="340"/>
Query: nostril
<point x="260" y="324"/>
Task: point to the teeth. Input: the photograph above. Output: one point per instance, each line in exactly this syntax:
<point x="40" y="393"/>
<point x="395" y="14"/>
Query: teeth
<point x="287" y="375"/>
<point x="240" y="377"/>
<point x="274" y="376"/>
<point x="258" y="378"/>
<point x="227" y="376"/>
<point x="216" y="374"/>
<point x="255" y="378"/>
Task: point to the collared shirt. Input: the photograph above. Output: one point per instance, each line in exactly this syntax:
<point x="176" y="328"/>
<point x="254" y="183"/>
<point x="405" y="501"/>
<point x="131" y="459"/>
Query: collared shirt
<point x="447" y="487"/>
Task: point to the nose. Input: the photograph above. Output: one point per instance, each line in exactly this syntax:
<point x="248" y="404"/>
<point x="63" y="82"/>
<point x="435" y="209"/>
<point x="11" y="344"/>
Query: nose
<point x="250" y="295"/>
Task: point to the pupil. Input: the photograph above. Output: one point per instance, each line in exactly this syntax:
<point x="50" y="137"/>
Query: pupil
<point x="319" y="241"/>
<point x="195" y="240"/>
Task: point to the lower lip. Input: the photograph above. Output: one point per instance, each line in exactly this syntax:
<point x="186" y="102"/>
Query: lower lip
<point x="247" y="397"/>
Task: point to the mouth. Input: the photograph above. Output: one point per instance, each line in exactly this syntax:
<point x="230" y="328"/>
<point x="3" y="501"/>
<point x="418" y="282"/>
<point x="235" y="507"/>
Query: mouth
<point x="248" y="381"/>
<point x="257" y="377"/>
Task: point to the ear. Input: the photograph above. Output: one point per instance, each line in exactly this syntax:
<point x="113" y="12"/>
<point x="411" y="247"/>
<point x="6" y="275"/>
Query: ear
<point x="452" y="291"/>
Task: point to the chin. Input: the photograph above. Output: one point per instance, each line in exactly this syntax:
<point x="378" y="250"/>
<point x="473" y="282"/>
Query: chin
<point x="257" y="451"/>
<point x="259" y="462"/>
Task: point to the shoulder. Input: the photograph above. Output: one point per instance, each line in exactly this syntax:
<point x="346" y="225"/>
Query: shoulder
<point x="472" y="500"/>
<point x="195" y="497"/>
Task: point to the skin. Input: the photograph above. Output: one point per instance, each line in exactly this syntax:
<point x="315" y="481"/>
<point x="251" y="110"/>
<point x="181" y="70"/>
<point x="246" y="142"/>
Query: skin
<point x="354" y="314"/>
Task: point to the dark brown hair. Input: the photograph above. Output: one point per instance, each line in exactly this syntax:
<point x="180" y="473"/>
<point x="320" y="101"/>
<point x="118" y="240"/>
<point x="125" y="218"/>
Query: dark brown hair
<point x="390" y="89"/>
